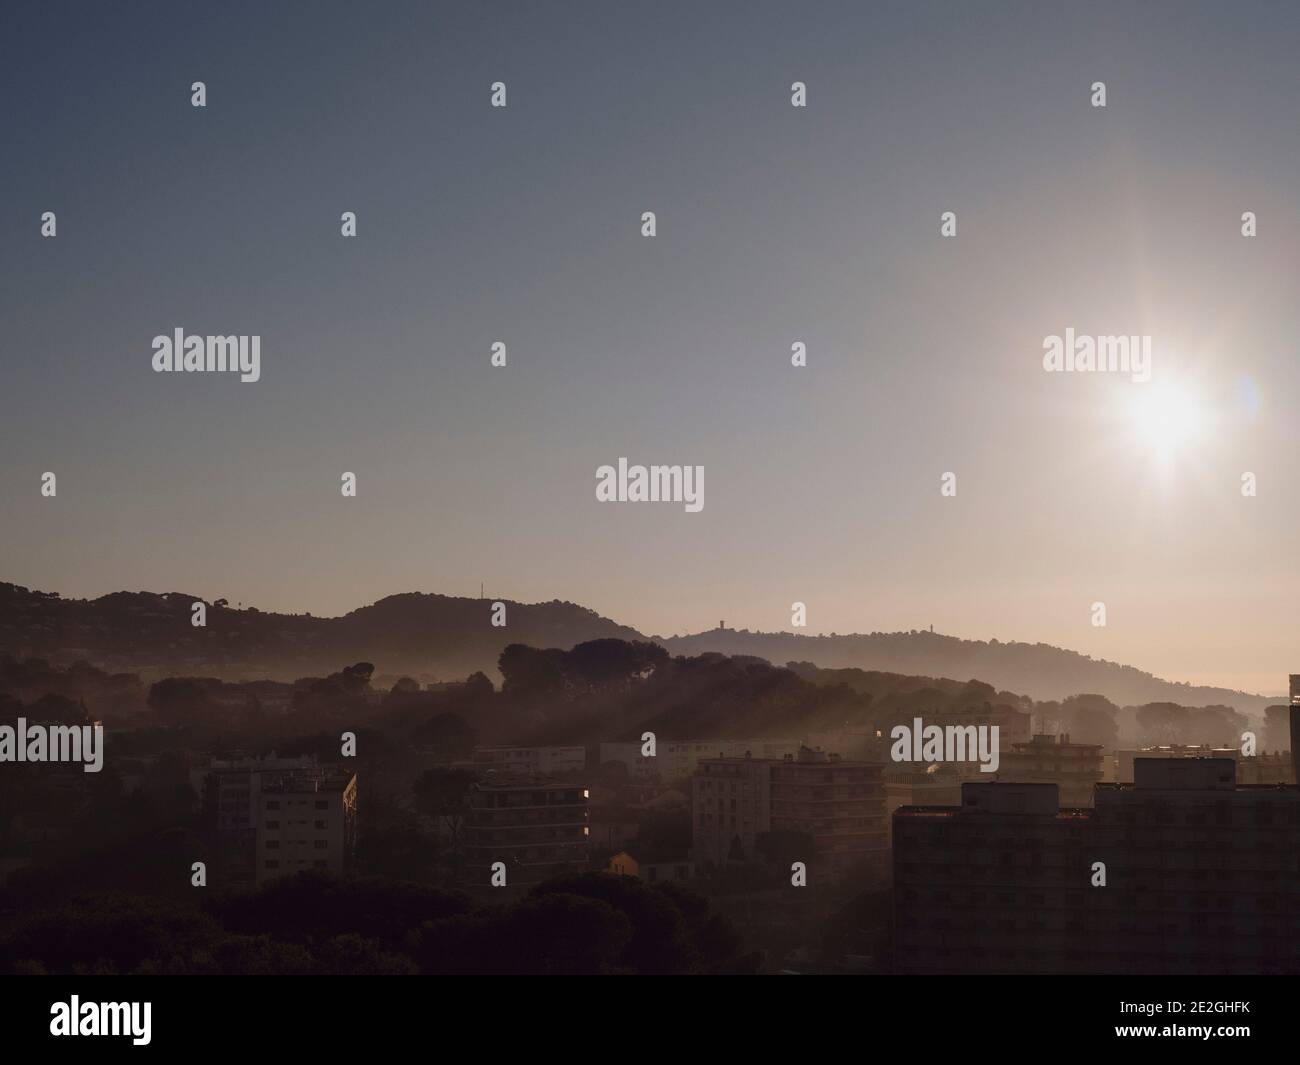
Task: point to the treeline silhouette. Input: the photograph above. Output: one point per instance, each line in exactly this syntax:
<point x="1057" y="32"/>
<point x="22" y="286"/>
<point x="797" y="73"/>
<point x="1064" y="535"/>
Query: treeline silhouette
<point x="449" y="636"/>
<point x="313" y="923"/>
<point x="599" y="690"/>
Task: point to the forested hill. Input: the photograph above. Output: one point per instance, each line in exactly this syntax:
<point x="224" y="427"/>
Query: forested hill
<point x="1038" y="670"/>
<point x="450" y="637"/>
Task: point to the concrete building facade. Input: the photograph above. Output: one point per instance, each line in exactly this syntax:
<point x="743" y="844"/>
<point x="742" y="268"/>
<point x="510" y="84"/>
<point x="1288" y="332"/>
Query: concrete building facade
<point x="839" y="804"/>
<point x="538" y="827"/>
<point x="1182" y="871"/>
<point x="1076" y="768"/>
<point x="307" y="819"/>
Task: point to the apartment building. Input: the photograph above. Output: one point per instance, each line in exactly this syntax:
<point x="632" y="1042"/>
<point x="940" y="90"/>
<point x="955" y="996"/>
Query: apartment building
<point x="1076" y="768"/>
<point x="731" y="805"/>
<point x="1263" y="768"/>
<point x="839" y="804"/>
<point x="537" y="826"/>
<point x="307" y="819"/>
<point x="1200" y="876"/>
<point x="231" y="790"/>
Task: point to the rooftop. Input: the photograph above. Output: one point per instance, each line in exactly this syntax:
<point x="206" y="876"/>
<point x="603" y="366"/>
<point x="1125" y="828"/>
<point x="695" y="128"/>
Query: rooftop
<point x="308" y="781"/>
<point x="517" y="780"/>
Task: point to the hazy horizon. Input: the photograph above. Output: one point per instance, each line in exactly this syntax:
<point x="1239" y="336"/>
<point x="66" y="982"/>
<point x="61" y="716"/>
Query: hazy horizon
<point x="775" y="225"/>
<point x="731" y="625"/>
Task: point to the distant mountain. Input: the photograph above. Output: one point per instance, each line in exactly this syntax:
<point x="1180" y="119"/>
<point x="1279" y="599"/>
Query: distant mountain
<point x="450" y="637"/>
<point x="1038" y="670"/>
<point x="151" y="634"/>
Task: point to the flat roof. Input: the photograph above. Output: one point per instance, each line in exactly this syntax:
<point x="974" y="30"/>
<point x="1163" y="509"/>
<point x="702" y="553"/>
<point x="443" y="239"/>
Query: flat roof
<point x="307" y="781"/>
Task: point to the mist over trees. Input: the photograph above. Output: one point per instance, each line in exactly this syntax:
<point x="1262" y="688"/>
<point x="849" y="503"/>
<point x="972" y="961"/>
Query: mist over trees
<point x="132" y="831"/>
<point x="598" y="690"/>
<point x="449" y="636"/>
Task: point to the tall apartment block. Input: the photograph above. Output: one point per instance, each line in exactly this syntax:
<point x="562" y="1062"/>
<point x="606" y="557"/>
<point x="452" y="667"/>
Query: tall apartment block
<point x="307" y="819"/>
<point x="1202" y="875"/>
<point x="731" y="805"/>
<point x="536" y="826"/>
<point x="1295" y="725"/>
<point x="839" y="804"/>
<point x="232" y="790"/>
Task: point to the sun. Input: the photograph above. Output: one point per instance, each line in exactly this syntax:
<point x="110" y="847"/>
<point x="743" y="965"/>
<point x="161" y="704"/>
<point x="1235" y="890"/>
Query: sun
<point x="1167" y="417"/>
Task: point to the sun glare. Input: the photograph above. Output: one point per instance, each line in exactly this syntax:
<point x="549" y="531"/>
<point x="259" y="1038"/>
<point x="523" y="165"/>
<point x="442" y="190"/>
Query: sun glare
<point x="1167" y="417"/>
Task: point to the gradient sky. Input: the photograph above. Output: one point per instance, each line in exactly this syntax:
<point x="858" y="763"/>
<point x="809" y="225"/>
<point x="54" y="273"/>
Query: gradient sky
<point x="775" y="225"/>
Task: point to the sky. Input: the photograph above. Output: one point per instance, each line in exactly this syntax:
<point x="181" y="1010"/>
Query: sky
<point x="775" y="225"/>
